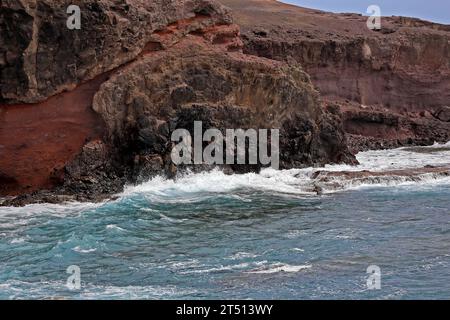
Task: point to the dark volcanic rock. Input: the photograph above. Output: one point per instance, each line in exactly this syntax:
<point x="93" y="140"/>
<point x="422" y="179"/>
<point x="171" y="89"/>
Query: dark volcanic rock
<point x="224" y="91"/>
<point x="7" y="182"/>
<point x="443" y="114"/>
<point x="108" y="97"/>
<point x="40" y="56"/>
<point x="372" y="129"/>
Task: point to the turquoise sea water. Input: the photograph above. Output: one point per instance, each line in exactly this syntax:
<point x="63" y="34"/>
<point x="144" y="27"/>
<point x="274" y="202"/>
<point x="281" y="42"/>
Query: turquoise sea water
<point x="248" y="237"/>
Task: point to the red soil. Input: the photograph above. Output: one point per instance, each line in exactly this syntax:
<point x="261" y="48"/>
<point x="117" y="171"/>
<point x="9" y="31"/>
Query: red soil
<point x="37" y="140"/>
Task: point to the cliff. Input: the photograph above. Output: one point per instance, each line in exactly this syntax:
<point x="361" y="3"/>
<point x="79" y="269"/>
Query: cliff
<point x="83" y="112"/>
<point x="42" y="57"/>
<point x="391" y="86"/>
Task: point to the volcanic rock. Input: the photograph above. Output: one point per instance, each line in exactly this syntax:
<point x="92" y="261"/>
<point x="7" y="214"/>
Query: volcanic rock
<point x="140" y="70"/>
<point x="443" y="114"/>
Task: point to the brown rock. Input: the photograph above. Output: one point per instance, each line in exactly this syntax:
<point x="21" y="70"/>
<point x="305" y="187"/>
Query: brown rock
<point x="407" y="67"/>
<point x="443" y="114"/>
<point x="107" y="97"/>
<point x="44" y="57"/>
<point x="199" y="82"/>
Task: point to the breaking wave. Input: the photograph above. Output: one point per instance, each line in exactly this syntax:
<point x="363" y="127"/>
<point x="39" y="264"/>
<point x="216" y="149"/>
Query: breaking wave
<point x="279" y="268"/>
<point x="192" y="187"/>
<point x="255" y="236"/>
<point x="307" y="182"/>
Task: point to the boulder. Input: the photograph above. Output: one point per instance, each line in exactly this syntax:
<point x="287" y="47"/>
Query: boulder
<point x="443" y="114"/>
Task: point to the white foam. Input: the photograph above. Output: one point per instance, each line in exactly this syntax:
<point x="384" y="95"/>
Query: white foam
<point x="16" y="289"/>
<point x="216" y="269"/>
<point x="277" y="268"/>
<point x="114" y="227"/>
<point x="217" y="182"/>
<point x="18" y="240"/>
<point x="15" y="219"/>
<point x="171" y="220"/>
<point x="195" y="187"/>
<point x="243" y="255"/>
<point x="192" y="188"/>
<point x="81" y="250"/>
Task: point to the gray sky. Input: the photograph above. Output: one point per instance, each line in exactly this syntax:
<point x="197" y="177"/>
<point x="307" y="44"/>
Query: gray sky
<point x="433" y="10"/>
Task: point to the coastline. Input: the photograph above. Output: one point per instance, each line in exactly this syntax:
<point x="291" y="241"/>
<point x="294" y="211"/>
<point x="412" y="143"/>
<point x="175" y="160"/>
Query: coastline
<point x="333" y="87"/>
<point x="377" y="168"/>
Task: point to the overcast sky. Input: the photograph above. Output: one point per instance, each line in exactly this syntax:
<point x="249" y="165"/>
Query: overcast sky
<point x="433" y="10"/>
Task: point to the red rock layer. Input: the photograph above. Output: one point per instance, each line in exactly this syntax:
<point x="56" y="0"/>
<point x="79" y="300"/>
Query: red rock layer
<point x="38" y="140"/>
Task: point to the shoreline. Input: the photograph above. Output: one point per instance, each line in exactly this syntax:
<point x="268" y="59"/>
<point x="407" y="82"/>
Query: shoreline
<point x="311" y="180"/>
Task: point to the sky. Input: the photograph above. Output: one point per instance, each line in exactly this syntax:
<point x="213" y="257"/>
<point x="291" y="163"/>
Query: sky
<point x="432" y="10"/>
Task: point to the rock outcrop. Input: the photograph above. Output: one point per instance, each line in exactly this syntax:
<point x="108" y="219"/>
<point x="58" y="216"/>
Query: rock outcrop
<point x="443" y="114"/>
<point x="388" y="83"/>
<point x="86" y="111"/>
<point x="326" y="181"/>
<point x="40" y="56"/>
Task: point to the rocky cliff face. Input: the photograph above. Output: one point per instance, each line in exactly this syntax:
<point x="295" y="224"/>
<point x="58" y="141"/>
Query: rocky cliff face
<point x="86" y="111"/>
<point x="83" y="112"/>
<point x="391" y="84"/>
<point x="41" y="57"/>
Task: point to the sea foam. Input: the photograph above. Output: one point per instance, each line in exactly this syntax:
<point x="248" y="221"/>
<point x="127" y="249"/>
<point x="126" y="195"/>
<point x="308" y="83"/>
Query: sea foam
<point x="193" y="187"/>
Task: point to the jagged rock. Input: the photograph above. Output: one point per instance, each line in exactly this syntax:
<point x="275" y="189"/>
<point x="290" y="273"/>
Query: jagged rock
<point x="7" y="182"/>
<point x="37" y="140"/>
<point x="443" y="114"/>
<point x="223" y="90"/>
<point x="408" y="68"/>
<point x="41" y="57"/>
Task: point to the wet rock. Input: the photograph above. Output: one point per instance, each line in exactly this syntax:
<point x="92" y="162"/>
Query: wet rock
<point x="139" y="70"/>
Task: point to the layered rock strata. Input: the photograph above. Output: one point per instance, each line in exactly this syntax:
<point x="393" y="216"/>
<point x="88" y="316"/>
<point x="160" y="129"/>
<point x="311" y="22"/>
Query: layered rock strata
<point x="391" y="85"/>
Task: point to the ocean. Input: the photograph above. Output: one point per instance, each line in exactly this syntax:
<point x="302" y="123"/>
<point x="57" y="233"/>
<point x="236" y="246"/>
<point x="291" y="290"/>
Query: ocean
<point x="252" y="236"/>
